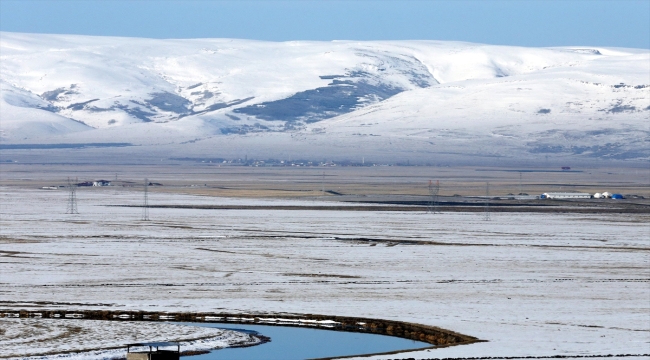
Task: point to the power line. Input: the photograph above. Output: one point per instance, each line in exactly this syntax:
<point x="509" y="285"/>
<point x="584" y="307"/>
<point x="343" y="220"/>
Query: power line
<point x="145" y="206"/>
<point x="486" y="216"/>
<point x="72" y="198"/>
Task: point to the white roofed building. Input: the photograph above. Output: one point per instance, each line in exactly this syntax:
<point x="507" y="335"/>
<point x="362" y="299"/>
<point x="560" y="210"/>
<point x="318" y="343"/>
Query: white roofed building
<point x="565" y="195"/>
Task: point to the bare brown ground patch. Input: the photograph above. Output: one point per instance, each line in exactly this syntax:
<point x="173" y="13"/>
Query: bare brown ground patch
<point x="287" y="182"/>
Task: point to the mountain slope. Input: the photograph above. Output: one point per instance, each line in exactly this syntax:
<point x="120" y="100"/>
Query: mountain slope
<point x="382" y="97"/>
<point x="25" y="115"/>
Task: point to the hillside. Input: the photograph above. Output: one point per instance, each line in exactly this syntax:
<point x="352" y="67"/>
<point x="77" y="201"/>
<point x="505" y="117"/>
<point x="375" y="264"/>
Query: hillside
<point x="340" y="99"/>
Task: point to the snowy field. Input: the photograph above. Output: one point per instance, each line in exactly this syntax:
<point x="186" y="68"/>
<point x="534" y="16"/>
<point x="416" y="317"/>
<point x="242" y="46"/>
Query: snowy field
<point x="72" y="339"/>
<point x="531" y="284"/>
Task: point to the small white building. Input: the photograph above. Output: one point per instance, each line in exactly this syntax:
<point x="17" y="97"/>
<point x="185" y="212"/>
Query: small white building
<point x="101" y="183"/>
<point x="563" y="195"/>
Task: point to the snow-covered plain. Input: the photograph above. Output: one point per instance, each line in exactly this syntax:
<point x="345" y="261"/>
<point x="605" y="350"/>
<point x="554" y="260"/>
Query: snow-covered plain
<point x="531" y="284"/>
<point x="72" y="339"/>
<point x="341" y="99"/>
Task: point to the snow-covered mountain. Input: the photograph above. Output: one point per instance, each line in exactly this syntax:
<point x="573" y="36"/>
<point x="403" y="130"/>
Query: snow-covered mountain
<point x="336" y="99"/>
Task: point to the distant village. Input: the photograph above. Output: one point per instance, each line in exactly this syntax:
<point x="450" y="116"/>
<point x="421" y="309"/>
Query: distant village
<point x="98" y="183"/>
<point x="290" y="163"/>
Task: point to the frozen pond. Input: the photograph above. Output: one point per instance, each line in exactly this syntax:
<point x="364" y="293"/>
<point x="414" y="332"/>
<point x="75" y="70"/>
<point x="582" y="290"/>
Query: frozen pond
<point x="306" y="343"/>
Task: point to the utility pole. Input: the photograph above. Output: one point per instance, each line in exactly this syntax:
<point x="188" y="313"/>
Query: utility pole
<point x="72" y="198"/>
<point x="145" y="207"/>
<point x="433" y="193"/>
<point x="520" y="188"/>
<point x="486" y="216"/>
<point x="322" y="184"/>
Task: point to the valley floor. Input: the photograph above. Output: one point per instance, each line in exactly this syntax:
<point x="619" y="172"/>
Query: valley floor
<point x="532" y="284"/>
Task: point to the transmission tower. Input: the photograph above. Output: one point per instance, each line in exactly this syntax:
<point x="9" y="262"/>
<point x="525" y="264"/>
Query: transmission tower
<point x="145" y="206"/>
<point x="486" y="216"/>
<point x="72" y="198"/>
<point x="433" y="193"/>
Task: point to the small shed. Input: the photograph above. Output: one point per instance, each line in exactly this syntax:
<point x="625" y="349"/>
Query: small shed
<point x="101" y="183"/>
<point x="154" y="354"/>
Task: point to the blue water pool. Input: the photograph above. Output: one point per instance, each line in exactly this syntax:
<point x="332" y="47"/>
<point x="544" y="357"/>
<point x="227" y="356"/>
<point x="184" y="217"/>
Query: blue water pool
<point x="306" y="343"/>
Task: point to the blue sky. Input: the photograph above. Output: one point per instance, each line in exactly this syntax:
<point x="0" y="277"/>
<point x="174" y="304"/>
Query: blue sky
<point x="512" y="22"/>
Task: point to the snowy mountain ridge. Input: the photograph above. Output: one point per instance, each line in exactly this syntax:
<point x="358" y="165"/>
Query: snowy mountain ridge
<point x="377" y="97"/>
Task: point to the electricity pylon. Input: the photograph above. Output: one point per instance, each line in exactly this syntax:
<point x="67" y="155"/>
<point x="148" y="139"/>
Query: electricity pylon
<point x="72" y="198"/>
<point x="145" y="206"/>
